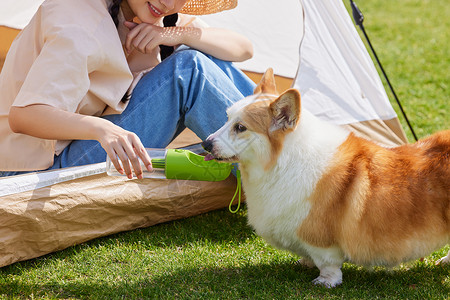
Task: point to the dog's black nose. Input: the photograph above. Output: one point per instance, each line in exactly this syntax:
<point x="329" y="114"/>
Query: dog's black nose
<point x="207" y="145"/>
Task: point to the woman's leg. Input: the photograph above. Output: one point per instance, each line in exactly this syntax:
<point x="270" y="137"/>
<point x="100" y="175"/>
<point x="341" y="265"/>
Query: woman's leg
<point x="187" y="89"/>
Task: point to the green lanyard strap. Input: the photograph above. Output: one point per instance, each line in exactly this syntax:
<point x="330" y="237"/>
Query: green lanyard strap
<point x="238" y="190"/>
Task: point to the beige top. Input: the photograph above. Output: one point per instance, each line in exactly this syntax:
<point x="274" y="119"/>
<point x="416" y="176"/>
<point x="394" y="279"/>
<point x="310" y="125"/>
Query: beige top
<point x="69" y="56"/>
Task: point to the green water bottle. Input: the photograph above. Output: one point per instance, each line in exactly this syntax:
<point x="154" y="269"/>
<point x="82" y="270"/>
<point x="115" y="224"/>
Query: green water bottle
<point x="179" y="164"/>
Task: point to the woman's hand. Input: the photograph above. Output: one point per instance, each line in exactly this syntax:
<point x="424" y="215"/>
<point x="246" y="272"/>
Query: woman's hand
<point x="146" y="37"/>
<point x="125" y="146"/>
<point x="47" y="122"/>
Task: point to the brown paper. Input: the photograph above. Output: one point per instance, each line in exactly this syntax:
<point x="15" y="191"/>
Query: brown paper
<point x="48" y="219"/>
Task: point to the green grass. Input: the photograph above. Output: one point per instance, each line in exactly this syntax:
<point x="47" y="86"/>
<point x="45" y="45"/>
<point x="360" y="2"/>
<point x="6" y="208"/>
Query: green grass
<point x="212" y="256"/>
<point x="411" y="38"/>
<point x="217" y="256"/>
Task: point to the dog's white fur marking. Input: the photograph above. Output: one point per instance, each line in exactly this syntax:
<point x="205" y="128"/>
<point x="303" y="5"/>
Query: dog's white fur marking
<point x="328" y="196"/>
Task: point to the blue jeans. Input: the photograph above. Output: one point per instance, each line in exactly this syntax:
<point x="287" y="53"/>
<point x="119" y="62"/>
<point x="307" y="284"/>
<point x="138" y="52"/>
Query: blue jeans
<point x="188" y="89"/>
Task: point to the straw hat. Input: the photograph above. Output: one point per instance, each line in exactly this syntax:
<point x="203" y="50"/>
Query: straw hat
<point x="206" y="7"/>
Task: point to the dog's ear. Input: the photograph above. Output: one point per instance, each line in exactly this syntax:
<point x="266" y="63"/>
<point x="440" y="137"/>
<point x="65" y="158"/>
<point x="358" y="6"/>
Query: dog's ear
<point x="286" y="110"/>
<point x="267" y="84"/>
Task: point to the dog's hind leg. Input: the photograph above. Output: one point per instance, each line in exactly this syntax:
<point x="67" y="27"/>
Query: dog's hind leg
<point x="330" y="276"/>
<point x="444" y="260"/>
<point x="329" y="261"/>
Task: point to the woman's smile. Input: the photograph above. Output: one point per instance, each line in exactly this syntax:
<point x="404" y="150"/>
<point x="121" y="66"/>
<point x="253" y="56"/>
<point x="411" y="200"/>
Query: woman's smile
<point x="150" y="11"/>
<point x="154" y="11"/>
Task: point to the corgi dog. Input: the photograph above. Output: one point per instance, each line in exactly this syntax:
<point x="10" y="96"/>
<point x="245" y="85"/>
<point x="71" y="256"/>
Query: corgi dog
<point x="329" y="196"/>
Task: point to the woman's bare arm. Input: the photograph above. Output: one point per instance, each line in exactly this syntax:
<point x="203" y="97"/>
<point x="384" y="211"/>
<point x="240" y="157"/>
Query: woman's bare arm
<point x="47" y="122"/>
<point x="221" y="43"/>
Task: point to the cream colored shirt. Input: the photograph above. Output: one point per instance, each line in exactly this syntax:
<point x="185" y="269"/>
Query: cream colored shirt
<point x="69" y="56"/>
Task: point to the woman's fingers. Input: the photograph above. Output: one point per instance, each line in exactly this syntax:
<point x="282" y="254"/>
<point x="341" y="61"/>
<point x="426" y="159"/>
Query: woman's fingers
<point x="133" y="149"/>
<point x="125" y="154"/>
<point x="135" y="153"/>
<point x="136" y="36"/>
<point x="131" y="34"/>
<point x="130" y="25"/>
<point x="121" y="153"/>
<point x="115" y="161"/>
<point x="142" y="154"/>
<point x="147" y="44"/>
<point x="145" y="37"/>
<point x="125" y="150"/>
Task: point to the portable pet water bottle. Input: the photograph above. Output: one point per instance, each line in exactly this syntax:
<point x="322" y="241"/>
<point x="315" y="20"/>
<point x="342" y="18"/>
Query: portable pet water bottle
<point x="184" y="164"/>
<point x="179" y="164"/>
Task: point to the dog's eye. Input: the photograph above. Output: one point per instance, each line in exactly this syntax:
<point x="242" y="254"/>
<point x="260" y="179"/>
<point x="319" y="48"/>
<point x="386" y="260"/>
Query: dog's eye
<point x="238" y="127"/>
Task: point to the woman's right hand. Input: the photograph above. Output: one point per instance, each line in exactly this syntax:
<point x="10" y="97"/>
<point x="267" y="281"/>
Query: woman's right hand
<point x="125" y="146"/>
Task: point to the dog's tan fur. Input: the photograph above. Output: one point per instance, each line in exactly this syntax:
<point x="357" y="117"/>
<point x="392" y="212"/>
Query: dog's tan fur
<point x="379" y="204"/>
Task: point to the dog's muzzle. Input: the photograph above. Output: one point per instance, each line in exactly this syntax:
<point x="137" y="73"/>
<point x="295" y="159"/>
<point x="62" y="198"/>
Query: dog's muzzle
<point x="207" y="145"/>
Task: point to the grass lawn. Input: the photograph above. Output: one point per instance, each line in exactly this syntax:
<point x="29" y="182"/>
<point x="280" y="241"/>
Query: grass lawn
<point x="217" y="256"/>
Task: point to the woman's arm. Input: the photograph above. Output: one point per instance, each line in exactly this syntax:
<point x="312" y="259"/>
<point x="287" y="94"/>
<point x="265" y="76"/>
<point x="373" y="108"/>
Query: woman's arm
<point x="47" y="122"/>
<point x="221" y="43"/>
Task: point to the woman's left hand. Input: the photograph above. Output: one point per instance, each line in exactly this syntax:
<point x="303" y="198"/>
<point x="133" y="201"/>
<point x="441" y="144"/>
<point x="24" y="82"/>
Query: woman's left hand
<point x="146" y="37"/>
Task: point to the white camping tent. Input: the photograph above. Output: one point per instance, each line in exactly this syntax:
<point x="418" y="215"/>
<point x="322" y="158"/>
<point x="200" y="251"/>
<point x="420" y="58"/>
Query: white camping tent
<point x="48" y="211"/>
<point x="333" y="71"/>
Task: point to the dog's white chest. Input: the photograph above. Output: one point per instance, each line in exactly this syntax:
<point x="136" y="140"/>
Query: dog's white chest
<point x="277" y="212"/>
<point x="277" y="199"/>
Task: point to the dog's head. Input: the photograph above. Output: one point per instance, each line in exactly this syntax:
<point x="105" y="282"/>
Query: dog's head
<point x="256" y="126"/>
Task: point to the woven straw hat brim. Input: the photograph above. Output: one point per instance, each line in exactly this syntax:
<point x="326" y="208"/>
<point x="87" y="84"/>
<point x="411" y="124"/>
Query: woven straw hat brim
<point x="206" y="7"/>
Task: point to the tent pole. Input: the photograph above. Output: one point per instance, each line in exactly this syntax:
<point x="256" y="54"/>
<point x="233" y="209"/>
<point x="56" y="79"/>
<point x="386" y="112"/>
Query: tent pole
<point x="359" y="18"/>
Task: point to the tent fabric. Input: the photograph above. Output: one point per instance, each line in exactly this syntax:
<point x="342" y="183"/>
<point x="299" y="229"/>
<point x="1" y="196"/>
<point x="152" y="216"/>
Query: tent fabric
<point x="334" y="73"/>
<point x="337" y="78"/>
<point x="275" y="29"/>
<point x="388" y="133"/>
<point x="48" y="211"/>
<point x="17" y="14"/>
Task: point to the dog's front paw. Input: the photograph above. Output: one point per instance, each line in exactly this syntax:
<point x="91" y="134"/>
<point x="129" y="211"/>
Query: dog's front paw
<point x="329" y="277"/>
<point x="444" y="260"/>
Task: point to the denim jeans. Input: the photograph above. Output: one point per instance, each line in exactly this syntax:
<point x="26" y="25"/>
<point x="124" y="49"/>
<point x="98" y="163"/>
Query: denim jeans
<point x="188" y="89"/>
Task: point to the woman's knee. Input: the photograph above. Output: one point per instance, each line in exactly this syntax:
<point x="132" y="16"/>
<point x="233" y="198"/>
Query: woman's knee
<point x="188" y="55"/>
<point x="191" y="58"/>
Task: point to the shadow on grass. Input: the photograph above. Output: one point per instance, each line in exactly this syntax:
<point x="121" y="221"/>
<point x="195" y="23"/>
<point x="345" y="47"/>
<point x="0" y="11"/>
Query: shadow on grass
<point x="263" y="281"/>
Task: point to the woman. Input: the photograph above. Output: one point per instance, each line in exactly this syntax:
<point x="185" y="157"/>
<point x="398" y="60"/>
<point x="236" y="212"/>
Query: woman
<point x="66" y="74"/>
